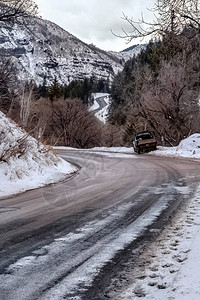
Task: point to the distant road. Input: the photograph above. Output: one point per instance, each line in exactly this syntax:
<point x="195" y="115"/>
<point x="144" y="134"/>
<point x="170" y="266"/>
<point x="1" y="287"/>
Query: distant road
<point x="102" y="103"/>
<point x="71" y="239"/>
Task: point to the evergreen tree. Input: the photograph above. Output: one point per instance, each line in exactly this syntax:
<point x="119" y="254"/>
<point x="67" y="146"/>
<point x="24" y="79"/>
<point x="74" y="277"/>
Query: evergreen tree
<point x="54" y="91"/>
<point x="42" y="89"/>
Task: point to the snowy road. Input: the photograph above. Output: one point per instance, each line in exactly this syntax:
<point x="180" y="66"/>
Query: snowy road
<point x="67" y="241"/>
<point x="101" y="106"/>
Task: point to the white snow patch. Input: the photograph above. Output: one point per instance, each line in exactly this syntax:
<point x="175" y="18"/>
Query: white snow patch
<point x="188" y="148"/>
<point x="112" y="152"/>
<point x="98" y="95"/>
<point x="32" y="166"/>
<point x="114" y="149"/>
<point x="128" y="54"/>
<point x="122" y="150"/>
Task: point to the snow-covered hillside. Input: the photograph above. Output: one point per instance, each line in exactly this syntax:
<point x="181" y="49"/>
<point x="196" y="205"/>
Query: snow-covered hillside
<point x="25" y="163"/>
<point x="47" y="50"/>
<point x="130" y="52"/>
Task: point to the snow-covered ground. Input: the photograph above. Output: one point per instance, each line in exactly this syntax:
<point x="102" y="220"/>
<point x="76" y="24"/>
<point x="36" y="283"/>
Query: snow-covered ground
<point x="188" y="148"/>
<point x="29" y="165"/>
<point x="173" y="263"/>
<point x="129" y="53"/>
<point x="127" y="150"/>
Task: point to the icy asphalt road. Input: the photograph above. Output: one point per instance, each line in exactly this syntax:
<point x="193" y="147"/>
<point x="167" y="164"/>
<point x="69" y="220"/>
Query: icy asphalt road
<point x="67" y="241"/>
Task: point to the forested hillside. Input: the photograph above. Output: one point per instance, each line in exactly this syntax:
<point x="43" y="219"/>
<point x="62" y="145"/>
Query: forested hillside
<point x="159" y="89"/>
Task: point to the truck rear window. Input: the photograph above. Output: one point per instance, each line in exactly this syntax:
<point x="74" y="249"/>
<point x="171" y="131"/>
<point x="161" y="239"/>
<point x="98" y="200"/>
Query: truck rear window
<point x="144" y="136"/>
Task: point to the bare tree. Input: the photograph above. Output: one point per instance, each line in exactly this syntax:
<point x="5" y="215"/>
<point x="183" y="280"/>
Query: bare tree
<point x="72" y="124"/>
<point x="113" y="135"/>
<point x="39" y="118"/>
<point x="8" y="85"/>
<point x="170" y="106"/>
<point x="17" y="11"/>
<point x="26" y="100"/>
<point x="168" y="16"/>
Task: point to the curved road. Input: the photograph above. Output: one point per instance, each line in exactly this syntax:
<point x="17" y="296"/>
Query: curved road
<point x="101" y="102"/>
<point x="67" y="241"/>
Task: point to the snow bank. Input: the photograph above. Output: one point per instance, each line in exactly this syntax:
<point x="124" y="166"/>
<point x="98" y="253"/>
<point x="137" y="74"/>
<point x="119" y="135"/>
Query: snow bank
<point x="114" y="149"/>
<point x="24" y="163"/>
<point x="98" y="95"/>
<point x="188" y="148"/>
<point x="103" y="150"/>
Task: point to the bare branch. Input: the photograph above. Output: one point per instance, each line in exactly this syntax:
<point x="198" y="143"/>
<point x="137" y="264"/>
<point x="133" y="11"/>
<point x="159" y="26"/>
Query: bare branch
<point x="17" y="11"/>
<point x="167" y="17"/>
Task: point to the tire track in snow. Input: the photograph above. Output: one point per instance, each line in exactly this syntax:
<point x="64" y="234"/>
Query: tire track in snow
<point x="78" y="256"/>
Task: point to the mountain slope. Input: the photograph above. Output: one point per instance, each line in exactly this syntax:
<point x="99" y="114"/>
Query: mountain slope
<point x="47" y="50"/>
<point x="128" y="53"/>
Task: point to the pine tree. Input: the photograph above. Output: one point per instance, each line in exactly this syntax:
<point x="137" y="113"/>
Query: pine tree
<point x="54" y="91"/>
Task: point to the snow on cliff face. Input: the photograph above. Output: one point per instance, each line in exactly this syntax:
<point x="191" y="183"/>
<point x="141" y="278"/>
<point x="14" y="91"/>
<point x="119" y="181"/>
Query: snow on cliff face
<point x="47" y="50"/>
<point x="129" y="53"/>
<point x="25" y="163"/>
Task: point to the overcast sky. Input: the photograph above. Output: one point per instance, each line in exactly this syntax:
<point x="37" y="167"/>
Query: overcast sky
<point x="92" y="20"/>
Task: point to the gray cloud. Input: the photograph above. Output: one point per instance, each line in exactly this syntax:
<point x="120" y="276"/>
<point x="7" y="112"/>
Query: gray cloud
<point x="92" y="20"/>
